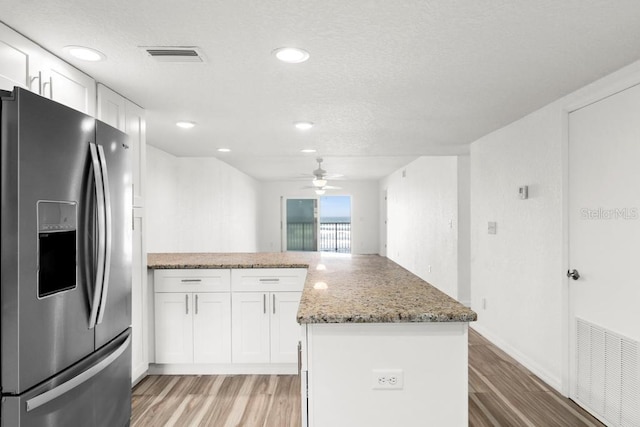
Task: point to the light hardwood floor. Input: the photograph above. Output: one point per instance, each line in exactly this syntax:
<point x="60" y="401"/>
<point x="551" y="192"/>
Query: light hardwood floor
<point x="501" y="393"/>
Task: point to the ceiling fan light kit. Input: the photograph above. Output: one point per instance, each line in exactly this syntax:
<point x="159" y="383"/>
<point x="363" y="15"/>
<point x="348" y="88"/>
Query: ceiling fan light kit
<point x="319" y="182"/>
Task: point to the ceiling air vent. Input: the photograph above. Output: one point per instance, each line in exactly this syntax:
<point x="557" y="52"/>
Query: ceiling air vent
<point x="174" y="54"/>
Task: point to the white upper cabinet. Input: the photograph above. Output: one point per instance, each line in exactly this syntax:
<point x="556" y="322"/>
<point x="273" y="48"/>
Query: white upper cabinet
<point x="123" y="114"/>
<point x="111" y="107"/>
<point x="16" y="57"/>
<point x="27" y="65"/>
<point x="135" y="127"/>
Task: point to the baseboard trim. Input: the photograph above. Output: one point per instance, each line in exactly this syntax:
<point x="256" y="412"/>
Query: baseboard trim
<point x="223" y="369"/>
<point x="525" y="361"/>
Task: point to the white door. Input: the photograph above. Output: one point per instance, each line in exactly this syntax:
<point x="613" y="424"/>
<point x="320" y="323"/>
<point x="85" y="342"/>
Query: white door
<point x="285" y="330"/>
<point x="250" y="333"/>
<point x="174" y="327"/>
<point x="604" y="239"/>
<point x="212" y="327"/>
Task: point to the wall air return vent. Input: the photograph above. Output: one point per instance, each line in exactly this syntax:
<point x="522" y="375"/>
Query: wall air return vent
<point x="608" y="375"/>
<point x="174" y="54"/>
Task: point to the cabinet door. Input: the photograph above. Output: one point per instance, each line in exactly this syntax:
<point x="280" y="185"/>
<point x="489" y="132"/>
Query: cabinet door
<point x="174" y="328"/>
<point x="112" y="109"/>
<point x="16" y="61"/>
<point x="135" y="127"/>
<point x="285" y="330"/>
<point x="140" y="360"/>
<point x="67" y="85"/>
<point x="250" y="332"/>
<point x="212" y="327"/>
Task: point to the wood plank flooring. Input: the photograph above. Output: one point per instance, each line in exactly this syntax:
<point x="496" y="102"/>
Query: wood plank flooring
<point x="501" y="393"/>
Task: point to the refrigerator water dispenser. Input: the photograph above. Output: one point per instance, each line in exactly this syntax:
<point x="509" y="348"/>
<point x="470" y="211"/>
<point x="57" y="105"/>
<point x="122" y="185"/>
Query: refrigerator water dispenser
<point x="57" y="247"/>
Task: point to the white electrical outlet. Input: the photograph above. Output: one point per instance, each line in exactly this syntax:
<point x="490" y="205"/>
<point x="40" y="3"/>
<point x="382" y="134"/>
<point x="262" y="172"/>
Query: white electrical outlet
<point x="387" y="379"/>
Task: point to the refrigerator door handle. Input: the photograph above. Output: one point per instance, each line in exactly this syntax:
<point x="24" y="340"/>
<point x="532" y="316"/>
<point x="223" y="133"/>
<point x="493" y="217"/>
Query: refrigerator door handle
<point x="97" y="291"/>
<point x="48" y="396"/>
<point x="108" y="226"/>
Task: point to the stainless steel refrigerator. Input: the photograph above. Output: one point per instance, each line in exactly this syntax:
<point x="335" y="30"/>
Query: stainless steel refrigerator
<point x="65" y="297"/>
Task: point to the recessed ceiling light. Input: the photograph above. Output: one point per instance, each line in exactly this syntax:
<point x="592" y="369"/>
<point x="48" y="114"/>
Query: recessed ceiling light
<point x="291" y="55"/>
<point x="303" y="125"/>
<point x="308" y="150"/>
<point x="224" y="150"/>
<point x="185" y="124"/>
<point x="85" y="53"/>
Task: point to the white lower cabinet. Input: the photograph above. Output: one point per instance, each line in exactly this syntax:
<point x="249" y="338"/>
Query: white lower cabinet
<point x="240" y="320"/>
<point x="192" y="316"/>
<point x="212" y="328"/>
<point x="193" y="327"/>
<point x="265" y="329"/>
<point x="250" y="320"/>
<point x="285" y="330"/>
<point x="174" y="328"/>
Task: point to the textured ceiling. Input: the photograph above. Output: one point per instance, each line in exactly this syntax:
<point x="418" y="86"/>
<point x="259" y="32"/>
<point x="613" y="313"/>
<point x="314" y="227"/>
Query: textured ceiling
<point x="387" y="80"/>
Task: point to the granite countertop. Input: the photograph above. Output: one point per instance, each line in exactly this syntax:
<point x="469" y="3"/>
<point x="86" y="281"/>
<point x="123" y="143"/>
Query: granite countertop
<point x="341" y="288"/>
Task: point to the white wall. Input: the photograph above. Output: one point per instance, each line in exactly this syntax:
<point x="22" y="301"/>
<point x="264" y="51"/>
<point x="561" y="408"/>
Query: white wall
<point x="199" y="205"/>
<point x="364" y="212"/>
<point x="422" y="220"/>
<point x="521" y="270"/>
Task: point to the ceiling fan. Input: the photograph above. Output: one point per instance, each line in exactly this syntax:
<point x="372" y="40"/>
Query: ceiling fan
<point x="319" y="182"/>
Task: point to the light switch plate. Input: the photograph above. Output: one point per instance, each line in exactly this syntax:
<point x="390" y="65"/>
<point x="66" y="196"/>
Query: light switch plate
<point x="493" y="227"/>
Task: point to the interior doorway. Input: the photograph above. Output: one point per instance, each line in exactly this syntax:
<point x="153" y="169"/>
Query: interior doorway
<point x="604" y="242"/>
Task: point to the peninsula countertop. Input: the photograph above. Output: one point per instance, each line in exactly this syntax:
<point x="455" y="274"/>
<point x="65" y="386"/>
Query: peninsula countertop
<point x="340" y="288"/>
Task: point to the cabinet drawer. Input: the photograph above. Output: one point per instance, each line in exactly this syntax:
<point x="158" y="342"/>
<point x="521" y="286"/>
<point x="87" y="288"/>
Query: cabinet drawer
<point x="192" y="280"/>
<point x="268" y="279"/>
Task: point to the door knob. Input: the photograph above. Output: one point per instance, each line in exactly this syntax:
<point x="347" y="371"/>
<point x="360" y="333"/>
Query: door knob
<point x="573" y="274"/>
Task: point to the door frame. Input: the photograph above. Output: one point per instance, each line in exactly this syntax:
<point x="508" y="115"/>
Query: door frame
<point x="605" y="91"/>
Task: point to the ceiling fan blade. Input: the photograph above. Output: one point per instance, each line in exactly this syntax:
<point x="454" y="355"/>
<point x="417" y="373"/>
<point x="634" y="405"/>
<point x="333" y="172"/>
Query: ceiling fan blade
<point x="331" y="187"/>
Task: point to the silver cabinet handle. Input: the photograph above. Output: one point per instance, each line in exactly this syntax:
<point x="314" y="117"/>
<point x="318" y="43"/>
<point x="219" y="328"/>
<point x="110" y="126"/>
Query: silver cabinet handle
<point x="108" y="223"/>
<point x="100" y="213"/>
<point x="65" y="387"/>
<point x="44" y="87"/>
<point x="191" y="280"/>
<point x="264" y="303"/>
<point x="274" y="303"/>
<point x="39" y="79"/>
<point x="196" y="310"/>
<point x="186" y="303"/>
<point x="270" y="280"/>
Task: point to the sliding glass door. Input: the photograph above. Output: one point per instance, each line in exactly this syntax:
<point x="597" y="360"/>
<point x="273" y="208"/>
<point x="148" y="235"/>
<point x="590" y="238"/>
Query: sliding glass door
<point x="301" y="224"/>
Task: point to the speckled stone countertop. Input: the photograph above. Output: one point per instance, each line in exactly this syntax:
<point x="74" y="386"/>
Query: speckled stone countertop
<point x="342" y="288"/>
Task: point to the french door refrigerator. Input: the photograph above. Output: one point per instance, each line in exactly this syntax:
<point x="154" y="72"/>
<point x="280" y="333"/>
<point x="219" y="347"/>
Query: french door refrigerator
<point x="66" y="239"/>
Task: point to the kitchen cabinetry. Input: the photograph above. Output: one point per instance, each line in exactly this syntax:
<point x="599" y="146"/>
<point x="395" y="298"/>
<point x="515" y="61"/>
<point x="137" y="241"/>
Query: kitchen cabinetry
<point x="192" y="316"/>
<point x="25" y="64"/>
<point x="264" y="306"/>
<point x="123" y="114"/>
<point x="139" y="339"/>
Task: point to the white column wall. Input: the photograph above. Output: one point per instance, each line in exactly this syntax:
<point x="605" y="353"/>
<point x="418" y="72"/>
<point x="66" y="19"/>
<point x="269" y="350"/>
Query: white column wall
<point x="199" y="205"/>
<point x="422" y="220"/>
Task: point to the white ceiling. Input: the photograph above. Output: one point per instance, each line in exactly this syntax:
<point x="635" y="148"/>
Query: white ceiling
<point x="387" y="80"/>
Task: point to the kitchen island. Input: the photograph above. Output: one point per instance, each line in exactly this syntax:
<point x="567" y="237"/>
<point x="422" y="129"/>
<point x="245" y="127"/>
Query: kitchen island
<point x="380" y="346"/>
